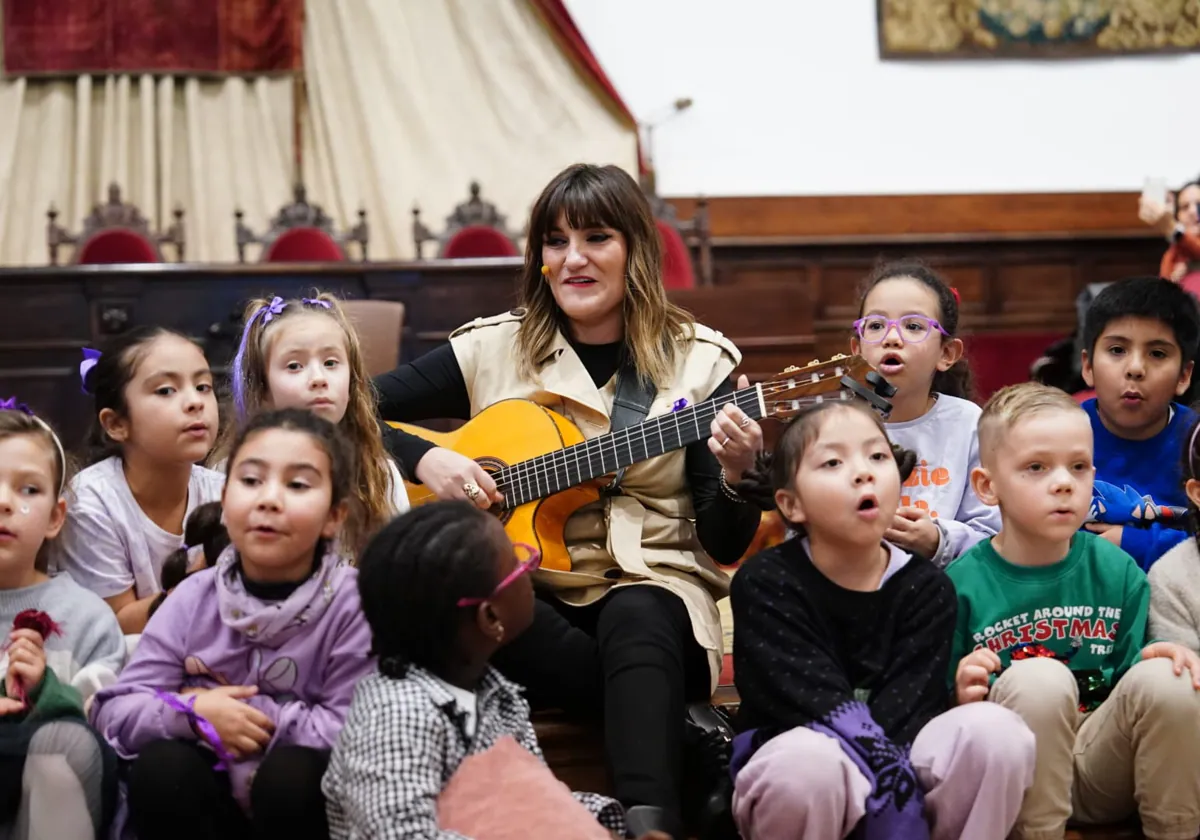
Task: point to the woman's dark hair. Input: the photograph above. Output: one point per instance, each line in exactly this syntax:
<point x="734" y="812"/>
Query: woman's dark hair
<point x="107" y="379"/>
<point x="955" y="382"/>
<point x="411" y="576"/>
<point x="204" y="529"/>
<point x="1179" y="192"/>
<point x="776" y="470"/>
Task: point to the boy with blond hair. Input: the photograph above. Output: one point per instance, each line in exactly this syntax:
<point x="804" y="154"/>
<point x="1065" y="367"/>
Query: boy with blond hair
<point x="1052" y="624"/>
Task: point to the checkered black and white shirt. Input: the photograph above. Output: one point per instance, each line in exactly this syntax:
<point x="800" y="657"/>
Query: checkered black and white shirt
<point x="403" y="740"/>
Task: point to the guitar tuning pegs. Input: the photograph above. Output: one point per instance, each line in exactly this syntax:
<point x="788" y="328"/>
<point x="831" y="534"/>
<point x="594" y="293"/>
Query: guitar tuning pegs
<point x="813" y="363"/>
<point x="790" y="369"/>
<point x="837" y="356"/>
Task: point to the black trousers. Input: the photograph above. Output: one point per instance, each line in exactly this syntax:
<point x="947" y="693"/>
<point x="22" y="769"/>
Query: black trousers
<point x="175" y="794"/>
<point x="630" y="659"/>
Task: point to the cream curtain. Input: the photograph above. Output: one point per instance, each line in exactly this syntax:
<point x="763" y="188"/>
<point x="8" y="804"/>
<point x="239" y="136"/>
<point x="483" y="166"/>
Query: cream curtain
<point x="408" y="102"/>
<point x="204" y="146"/>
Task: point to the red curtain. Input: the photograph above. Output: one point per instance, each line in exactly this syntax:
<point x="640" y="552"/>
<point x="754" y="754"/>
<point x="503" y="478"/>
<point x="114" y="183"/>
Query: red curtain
<point x="572" y="43"/>
<point x="151" y="36"/>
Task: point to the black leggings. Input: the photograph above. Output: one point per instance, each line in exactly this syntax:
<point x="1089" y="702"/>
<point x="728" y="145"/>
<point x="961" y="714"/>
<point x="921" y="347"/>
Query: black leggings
<point x="175" y="794"/>
<point x="631" y="659"/>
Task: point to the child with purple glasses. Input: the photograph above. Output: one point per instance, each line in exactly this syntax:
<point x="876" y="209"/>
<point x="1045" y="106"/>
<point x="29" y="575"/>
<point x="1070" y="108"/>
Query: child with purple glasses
<point x="906" y="329"/>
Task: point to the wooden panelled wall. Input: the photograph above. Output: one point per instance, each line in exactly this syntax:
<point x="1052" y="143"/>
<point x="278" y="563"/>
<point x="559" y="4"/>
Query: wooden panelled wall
<point x="787" y="270"/>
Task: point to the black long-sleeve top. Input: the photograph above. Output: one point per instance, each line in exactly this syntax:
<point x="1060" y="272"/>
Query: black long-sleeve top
<point x="805" y="646"/>
<point x="432" y="387"/>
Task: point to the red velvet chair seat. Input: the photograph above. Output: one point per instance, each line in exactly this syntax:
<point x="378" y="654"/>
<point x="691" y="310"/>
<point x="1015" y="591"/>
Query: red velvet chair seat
<point x="117" y="246"/>
<point x="304" y="244"/>
<point x="677" y="262"/>
<point x="476" y="242"/>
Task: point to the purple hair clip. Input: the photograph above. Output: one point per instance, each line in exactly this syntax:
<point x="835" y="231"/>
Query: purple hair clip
<point x="11" y="404"/>
<point x="267" y="312"/>
<point x="90" y="359"/>
<point x="315" y="302"/>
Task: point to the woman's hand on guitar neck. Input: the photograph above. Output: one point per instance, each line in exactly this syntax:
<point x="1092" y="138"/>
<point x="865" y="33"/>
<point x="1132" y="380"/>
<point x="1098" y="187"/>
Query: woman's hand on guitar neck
<point x="452" y="476"/>
<point x="736" y="439"/>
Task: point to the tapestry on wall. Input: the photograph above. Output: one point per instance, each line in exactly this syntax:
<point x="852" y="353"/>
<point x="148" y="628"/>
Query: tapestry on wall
<point x="70" y="37"/>
<point x="1035" y="28"/>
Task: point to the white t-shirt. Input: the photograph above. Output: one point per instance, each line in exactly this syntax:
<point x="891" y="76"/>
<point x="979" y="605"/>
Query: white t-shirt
<point x="399" y="491"/>
<point x="466" y="703"/>
<point x="946" y="442"/>
<point x="108" y="544"/>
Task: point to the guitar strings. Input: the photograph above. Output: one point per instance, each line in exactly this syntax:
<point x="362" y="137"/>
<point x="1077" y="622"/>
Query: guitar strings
<point x="529" y="474"/>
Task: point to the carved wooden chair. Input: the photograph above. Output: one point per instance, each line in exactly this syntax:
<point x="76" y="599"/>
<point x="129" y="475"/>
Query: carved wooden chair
<point x="302" y="232"/>
<point x="678" y="238"/>
<point x="475" y="230"/>
<point x="114" y="232"/>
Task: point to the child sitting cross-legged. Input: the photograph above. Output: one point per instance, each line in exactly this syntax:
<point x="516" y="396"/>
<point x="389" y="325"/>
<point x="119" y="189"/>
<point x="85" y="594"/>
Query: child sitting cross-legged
<point x="1060" y="615"/>
<point x="228" y="710"/>
<point x="438" y="745"/>
<point x="840" y="654"/>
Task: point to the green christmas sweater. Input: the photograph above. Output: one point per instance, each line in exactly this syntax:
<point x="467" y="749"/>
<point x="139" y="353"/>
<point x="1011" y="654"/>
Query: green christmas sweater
<point x="1088" y="611"/>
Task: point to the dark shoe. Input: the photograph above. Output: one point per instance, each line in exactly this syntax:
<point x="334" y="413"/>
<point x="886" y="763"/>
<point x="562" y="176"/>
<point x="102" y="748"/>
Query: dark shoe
<point x="641" y="819"/>
<point x="710" y="741"/>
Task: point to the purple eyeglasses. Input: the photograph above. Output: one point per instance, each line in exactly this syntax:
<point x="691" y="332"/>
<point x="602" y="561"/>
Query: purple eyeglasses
<point x="912" y="329"/>
<point x="529" y="564"/>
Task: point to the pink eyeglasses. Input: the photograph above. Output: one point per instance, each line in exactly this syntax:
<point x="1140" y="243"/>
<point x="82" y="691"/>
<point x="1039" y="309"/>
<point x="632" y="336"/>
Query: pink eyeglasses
<point x="529" y="564"/>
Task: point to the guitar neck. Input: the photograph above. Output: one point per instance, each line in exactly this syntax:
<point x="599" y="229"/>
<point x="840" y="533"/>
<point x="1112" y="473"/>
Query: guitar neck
<point x="565" y="468"/>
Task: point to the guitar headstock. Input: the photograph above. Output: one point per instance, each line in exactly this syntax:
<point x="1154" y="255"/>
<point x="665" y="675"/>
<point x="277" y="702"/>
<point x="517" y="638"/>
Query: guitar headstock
<point x="842" y="378"/>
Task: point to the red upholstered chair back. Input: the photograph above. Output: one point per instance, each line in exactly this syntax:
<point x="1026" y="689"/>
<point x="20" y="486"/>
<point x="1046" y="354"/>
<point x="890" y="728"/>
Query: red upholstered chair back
<point x="475" y="230"/>
<point x="1003" y="359"/>
<point x="1083" y="396"/>
<point x="677" y="262"/>
<point x="117" y="246"/>
<point x="114" y="233"/>
<point x="478" y="242"/>
<point x="301" y="232"/>
<point x="304" y="244"/>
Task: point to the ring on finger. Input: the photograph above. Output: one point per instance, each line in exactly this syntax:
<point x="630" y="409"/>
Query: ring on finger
<point x="745" y="422"/>
<point x="471" y="490"/>
<point x="723" y="442"/>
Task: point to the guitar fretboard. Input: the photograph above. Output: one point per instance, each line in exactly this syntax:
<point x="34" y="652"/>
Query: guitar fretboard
<point x="564" y="468"/>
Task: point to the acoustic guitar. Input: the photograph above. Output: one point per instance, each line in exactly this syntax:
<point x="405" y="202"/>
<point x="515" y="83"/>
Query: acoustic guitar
<point x="547" y="470"/>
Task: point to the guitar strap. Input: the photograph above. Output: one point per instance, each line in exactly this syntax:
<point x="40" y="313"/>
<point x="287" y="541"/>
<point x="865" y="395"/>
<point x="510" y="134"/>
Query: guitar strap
<point x="631" y="404"/>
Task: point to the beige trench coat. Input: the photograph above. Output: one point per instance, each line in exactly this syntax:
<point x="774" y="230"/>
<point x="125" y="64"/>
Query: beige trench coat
<point x="646" y="535"/>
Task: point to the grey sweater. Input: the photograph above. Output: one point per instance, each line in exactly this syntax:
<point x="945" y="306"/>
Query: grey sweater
<point x="1175" y="596"/>
<point x="90" y="651"/>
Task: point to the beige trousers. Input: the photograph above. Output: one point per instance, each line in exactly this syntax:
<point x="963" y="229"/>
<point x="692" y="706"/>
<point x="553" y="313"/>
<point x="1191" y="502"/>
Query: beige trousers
<point x="1138" y="753"/>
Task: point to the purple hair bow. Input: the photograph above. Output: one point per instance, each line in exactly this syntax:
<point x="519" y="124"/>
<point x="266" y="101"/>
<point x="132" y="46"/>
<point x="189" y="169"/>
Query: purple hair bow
<point x="267" y="312"/>
<point x="11" y="404"/>
<point x="90" y="359"/>
<point x="315" y="302"/>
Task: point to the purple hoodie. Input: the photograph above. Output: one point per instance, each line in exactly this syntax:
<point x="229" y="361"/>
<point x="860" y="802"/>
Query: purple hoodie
<point x="305" y="654"/>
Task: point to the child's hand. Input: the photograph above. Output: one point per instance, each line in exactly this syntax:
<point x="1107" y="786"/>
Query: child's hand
<point x="26" y="663"/>
<point x="971" y="678"/>
<point x="244" y="730"/>
<point x="1180" y="656"/>
<point x="914" y="530"/>
<point x="9" y="706"/>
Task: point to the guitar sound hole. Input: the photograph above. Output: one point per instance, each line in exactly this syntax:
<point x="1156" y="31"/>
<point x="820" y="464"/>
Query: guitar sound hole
<point x="492" y="465"/>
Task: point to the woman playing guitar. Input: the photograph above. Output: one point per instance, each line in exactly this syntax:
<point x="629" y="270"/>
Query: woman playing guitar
<point x="631" y="631"/>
